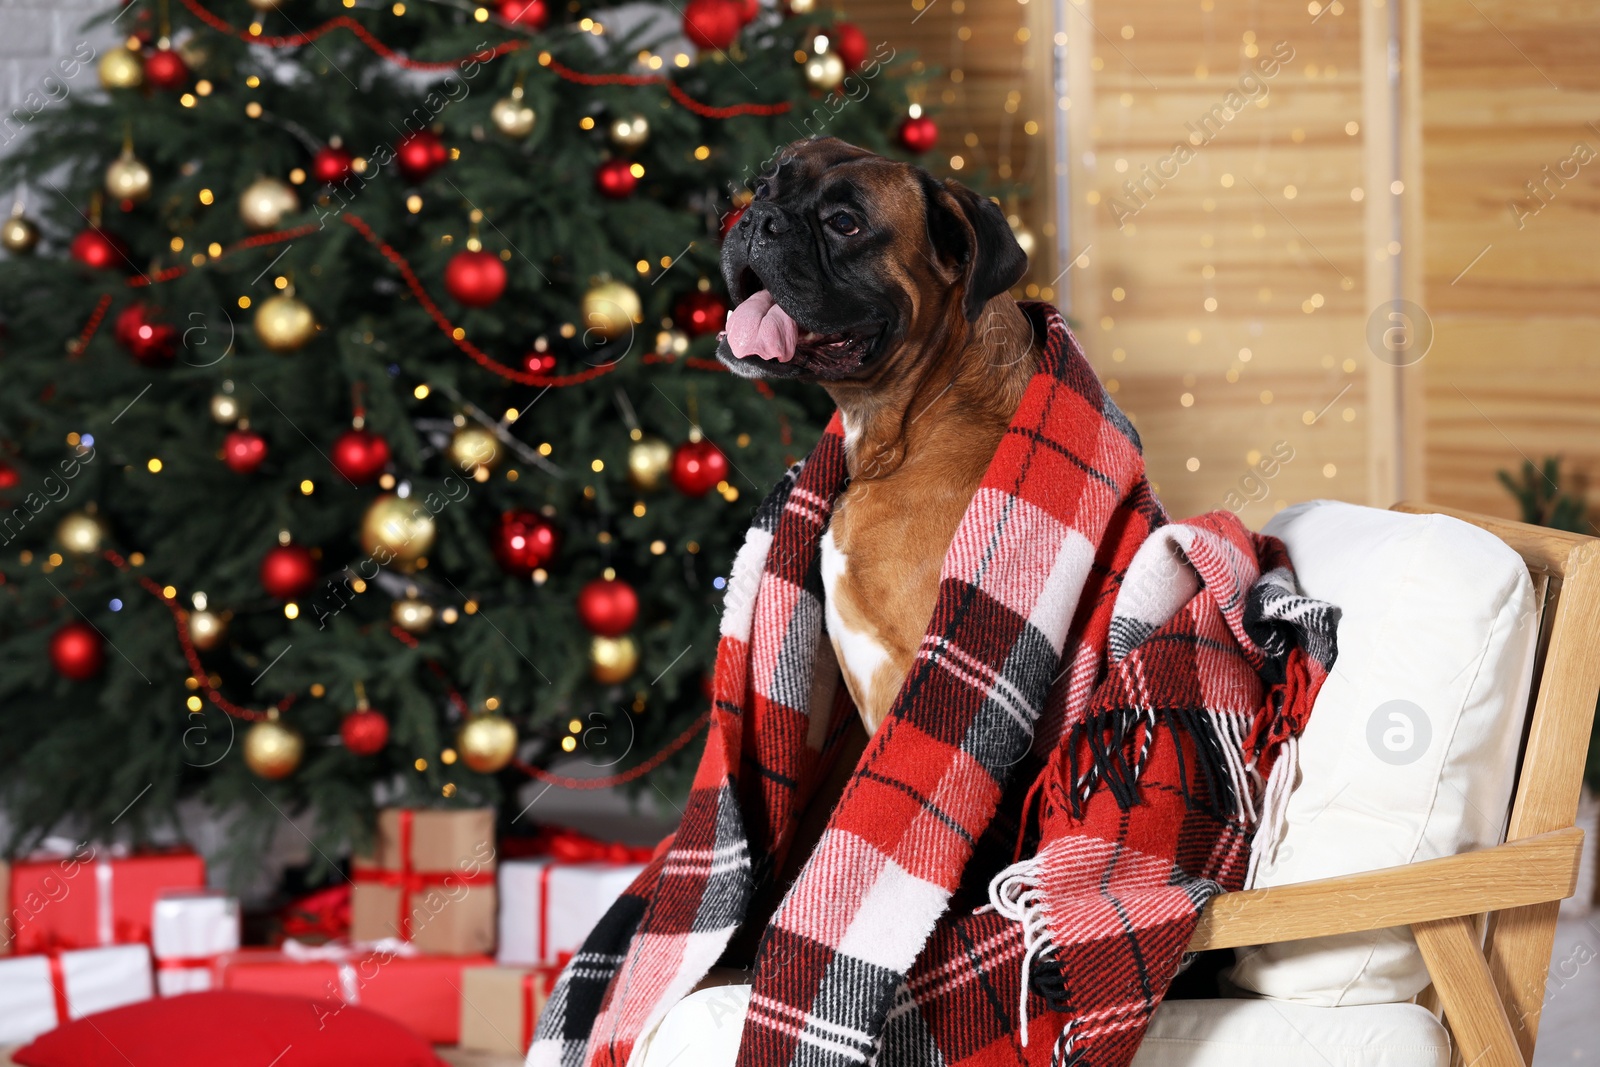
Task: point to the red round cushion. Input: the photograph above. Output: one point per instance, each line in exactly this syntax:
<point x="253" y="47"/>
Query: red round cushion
<point x="230" y="1026"/>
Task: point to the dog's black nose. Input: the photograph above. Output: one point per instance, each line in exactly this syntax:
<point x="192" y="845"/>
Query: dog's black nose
<point x="770" y="222"/>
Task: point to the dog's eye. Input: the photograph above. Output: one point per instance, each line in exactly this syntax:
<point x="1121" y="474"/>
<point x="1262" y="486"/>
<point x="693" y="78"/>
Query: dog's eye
<point x="844" y="223"/>
<point x="762" y="190"/>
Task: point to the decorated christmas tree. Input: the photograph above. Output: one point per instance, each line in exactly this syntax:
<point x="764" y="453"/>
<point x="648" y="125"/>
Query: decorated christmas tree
<point x="360" y="436"/>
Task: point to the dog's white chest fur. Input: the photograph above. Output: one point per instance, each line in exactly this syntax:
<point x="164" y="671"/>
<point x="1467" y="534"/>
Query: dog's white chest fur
<point x="863" y="659"/>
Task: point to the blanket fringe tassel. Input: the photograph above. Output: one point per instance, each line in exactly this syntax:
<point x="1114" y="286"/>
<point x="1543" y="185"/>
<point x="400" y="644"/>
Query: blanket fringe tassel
<point x="1015" y="893"/>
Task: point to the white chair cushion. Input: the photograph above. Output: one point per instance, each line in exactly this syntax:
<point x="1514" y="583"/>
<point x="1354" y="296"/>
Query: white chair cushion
<point x="1263" y="1033"/>
<point x="703" y="1030"/>
<point x="1411" y="749"/>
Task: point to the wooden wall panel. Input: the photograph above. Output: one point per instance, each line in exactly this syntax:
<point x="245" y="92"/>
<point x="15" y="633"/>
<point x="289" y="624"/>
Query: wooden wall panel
<point x="1226" y="304"/>
<point x="1510" y="89"/>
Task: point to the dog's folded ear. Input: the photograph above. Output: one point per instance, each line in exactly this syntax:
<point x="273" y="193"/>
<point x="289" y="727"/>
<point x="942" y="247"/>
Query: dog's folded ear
<point x="971" y="232"/>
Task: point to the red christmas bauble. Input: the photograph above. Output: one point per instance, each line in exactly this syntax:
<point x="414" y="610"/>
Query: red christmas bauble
<point x="530" y="13"/>
<point x="697" y="467"/>
<point x="540" y="362"/>
<point x="731" y="219"/>
<point x="149" y="341"/>
<point x="360" y="455"/>
<point x="701" y="313"/>
<point x="77" y="651"/>
<point x="608" y="607"/>
<point x="475" y="278"/>
<point x="614" y="178"/>
<point x="919" y="134"/>
<point x="524" y="541"/>
<point x="752" y="8"/>
<point x="243" y="451"/>
<point x="420" y="154"/>
<point x="98" y="249"/>
<point x="713" y="23"/>
<point x="9" y="478"/>
<point x="331" y="164"/>
<point x="165" y="69"/>
<point x="849" y="44"/>
<point x="288" y="570"/>
<point x="364" y="732"/>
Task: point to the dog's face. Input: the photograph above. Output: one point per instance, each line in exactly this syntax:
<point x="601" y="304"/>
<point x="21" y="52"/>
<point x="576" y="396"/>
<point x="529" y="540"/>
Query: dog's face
<point x="847" y="264"/>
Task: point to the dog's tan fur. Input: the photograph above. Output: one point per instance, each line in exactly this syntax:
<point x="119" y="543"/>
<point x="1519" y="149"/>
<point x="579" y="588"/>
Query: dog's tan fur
<point x="919" y="434"/>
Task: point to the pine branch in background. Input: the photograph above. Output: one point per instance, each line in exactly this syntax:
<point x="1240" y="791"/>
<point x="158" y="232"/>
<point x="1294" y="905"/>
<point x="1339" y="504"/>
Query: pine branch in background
<point x="1546" y="502"/>
<point x="359" y="429"/>
<point x="1541" y="497"/>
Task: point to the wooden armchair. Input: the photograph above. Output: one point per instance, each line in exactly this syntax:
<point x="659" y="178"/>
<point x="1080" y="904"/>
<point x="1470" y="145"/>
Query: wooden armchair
<point x="1484" y="920"/>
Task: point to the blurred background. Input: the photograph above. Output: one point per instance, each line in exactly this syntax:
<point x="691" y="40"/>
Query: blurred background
<point x="1313" y="249"/>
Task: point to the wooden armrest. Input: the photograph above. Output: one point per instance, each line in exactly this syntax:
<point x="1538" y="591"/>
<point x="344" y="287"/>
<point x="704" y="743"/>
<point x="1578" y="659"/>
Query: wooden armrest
<point x="1532" y="870"/>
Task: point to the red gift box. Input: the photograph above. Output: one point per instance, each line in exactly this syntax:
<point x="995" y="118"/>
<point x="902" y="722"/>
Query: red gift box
<point x="422" y="993"/>
<point x="90" y="898"/>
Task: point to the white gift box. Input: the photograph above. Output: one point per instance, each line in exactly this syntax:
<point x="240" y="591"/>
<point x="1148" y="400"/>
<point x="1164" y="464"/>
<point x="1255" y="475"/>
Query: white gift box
<point x="548" y="907"/>
<point x="187" y="932"/>
<point x="92" y="980"/>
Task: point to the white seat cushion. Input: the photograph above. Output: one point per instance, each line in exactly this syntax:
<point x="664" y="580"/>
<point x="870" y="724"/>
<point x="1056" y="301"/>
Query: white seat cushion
<point x="1263" y="1033"/>
<point x="1411" y="749"/>
<point x="703" y="1030"/>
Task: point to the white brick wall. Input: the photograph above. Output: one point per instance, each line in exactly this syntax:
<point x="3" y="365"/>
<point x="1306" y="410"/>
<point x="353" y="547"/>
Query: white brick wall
<point x="36" y="34"/>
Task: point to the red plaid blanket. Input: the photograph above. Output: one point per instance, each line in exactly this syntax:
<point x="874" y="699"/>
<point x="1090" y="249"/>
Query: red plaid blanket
<point x="1135" y="679"/>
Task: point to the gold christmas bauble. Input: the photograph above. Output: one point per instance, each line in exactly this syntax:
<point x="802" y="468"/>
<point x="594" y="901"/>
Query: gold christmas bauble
<point x="649" y="460"/>
<point x="630" y="131"/>
<point x="207" y="629"/>
<point x="265" y="202"/>
<point x="472" y="447"/>
<point x="128" y="179"/>
<point x="1025" y="239"/>
<point x="81" y="534"/>
<point x="396" y="531"/>
<point x="272" y="750"/>
<point x="512" y="116"/>
<point x="19" y="234"/>
<point x="226" y="408"/>
<point x="613" y="660"/>
<point x="611" y="309"/>
<point x="121" y="68"/>
<point x="266" y="5"/>
<point x="412" y="615"/>
<point x="284" y="323"/>
<point x="825" y="71"/>
<point x="487" y="743"/>
<point x="802" y="7"/>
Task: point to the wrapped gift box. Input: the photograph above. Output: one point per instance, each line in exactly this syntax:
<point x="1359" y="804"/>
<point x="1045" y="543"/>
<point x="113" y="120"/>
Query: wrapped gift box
<point x="88" y="898"/>
<point x="548" y="906"/>
<point x="188" y="932"/>
<point x="418" y="991"/>
<point x="7" y="920"/>
<point x="39" y="992"/>
<point x="499" y="1006"/>
<point x="431" y="882"/>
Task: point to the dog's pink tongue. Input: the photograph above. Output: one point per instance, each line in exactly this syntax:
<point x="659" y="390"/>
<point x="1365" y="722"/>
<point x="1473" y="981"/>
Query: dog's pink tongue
<point x="759" y="327"/>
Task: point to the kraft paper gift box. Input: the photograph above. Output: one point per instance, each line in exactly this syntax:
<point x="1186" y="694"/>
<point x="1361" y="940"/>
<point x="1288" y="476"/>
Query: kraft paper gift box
<point x="547" y="906"/>
<point x="188" y="932"/>
<point x="420" y="992"/>
<point x="40" y="992"/>
<point x="89" y="897"/>
<point x="431" y="882"/>
<point x="499" y="1006"/>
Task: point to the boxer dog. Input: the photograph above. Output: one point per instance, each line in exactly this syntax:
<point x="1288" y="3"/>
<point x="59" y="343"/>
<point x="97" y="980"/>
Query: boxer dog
<point x="889" y="288"/>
